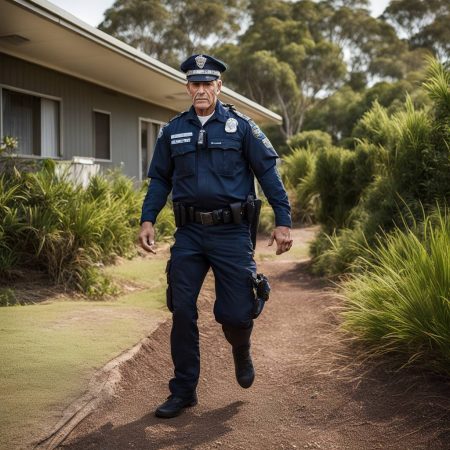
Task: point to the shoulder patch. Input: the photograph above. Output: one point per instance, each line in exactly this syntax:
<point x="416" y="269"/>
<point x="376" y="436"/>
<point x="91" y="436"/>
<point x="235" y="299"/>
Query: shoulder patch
<point x="161" y="130"/>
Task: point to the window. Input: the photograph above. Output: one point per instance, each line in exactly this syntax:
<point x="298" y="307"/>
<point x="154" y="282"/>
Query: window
<point x="34" y="121"/>
<point x="149" y="133"/>
<point x="102" y="135"/>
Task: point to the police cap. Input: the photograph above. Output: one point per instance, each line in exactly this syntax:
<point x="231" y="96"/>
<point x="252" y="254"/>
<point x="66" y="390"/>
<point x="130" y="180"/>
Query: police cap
<point x="202" y="68"/>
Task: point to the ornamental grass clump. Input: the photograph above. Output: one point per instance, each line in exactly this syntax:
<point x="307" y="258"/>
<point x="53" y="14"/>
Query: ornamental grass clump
<point x="400" y="303"/>
<point x="52" y="226"/>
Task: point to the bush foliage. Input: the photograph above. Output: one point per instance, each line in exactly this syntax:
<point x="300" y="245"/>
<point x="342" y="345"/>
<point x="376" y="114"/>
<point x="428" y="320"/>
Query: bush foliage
<point x="400" y="303"/>
<point x="376" y="205"/>
<point x="49" y="224"/>
<point x="399" y="164"/>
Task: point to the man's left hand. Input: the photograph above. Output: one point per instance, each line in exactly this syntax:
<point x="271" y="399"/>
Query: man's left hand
<point x="282" y="235"/>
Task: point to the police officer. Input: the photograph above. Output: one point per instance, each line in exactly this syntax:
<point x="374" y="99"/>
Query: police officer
<point x="208" y="157"/>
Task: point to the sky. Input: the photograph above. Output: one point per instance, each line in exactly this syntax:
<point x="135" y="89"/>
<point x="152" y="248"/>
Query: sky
<point x="91" y="11"/>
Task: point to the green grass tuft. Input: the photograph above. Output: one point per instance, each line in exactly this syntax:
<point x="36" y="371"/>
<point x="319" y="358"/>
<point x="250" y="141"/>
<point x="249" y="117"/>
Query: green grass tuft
<point x="400" y="303"/>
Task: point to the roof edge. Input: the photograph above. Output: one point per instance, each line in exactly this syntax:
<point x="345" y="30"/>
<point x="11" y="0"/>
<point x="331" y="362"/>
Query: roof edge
<point x="62" y="17"/>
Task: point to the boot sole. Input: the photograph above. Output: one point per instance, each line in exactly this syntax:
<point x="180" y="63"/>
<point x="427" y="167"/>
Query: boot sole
<point x="167" y="415"/>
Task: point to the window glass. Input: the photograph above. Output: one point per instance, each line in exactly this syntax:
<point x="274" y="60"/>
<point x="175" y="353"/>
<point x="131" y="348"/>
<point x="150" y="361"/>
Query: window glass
<point x="102" y="135"/>
<point x="21" y="119"/>
<point x="149" y="135"/>
<point x="34" y="121"/>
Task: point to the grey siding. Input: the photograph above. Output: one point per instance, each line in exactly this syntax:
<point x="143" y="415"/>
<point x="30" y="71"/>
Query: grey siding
<point x="78" y="100"/>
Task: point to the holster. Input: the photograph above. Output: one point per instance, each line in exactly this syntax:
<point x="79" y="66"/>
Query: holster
<point x="253" y="213"/>
<point x="262" y="292"/>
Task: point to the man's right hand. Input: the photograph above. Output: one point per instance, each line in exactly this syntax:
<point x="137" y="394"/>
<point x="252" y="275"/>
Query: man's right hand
<point x="147" y="237"/>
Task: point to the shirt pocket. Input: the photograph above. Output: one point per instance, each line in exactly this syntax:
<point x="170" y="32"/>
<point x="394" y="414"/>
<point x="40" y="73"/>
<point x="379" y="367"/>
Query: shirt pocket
<point x="184" y="159"/>
<point x="226" y="156"/>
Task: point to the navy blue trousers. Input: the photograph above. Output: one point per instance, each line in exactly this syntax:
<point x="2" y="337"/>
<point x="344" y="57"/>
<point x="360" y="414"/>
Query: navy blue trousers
<point x="226" y="249"/>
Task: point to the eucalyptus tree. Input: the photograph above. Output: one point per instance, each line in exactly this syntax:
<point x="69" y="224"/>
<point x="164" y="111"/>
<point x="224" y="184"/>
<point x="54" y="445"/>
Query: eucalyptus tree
<point x="280" y="63"/>
<point x="425" y="23"/>
<point x="171" y="30"/>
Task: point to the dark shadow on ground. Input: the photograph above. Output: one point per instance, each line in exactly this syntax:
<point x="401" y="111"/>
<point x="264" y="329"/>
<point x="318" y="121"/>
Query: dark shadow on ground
<point x="149" y="432"/>
<point x="419" y="398"/>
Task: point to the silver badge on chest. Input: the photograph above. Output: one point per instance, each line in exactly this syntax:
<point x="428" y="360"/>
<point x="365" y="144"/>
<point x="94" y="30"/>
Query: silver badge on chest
<point x="231" y="125"/>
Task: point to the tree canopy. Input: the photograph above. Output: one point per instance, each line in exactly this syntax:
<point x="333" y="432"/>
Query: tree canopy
<point x="314" y="62"/>
<point x="171" y="30"/>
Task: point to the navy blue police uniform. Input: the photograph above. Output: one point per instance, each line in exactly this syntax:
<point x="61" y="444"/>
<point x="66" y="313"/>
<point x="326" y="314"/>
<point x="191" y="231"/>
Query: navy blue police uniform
<point x="208" y="168"/>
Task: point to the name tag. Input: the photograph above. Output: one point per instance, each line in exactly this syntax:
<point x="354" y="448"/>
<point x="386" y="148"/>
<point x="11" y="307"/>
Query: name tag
<point x="180" y="135"/>
<point x="180" y="141"/>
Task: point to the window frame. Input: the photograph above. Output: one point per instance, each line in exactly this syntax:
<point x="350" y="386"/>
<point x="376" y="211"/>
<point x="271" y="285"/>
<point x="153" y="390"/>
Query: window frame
<point x="108" y="113"/>
<point x="144" y="119"/>
<point x="39" y="95"/>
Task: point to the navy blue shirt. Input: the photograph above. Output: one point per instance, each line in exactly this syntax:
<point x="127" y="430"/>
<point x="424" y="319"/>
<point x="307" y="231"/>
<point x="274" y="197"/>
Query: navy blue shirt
<point x="218" y="172"/>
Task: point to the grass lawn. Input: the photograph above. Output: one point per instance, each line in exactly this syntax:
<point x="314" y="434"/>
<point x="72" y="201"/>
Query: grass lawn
<point x="50" y="350"/>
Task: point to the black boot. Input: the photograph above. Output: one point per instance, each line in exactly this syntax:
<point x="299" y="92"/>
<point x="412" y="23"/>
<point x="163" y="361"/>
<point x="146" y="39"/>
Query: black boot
<point x="173" y="406"/>
<point x="245" y="373"/>
<point x="239" y="338"/>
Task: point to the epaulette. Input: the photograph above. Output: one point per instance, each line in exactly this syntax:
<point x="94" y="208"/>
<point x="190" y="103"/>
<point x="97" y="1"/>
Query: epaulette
<point x="178" y="115"/>
<point x="256" y="131"/>
<point x="161" y="130"/>
<point x="231" y="107"/>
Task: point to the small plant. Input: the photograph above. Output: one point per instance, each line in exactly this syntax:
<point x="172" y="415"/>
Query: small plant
<point x="8" y="297"/>
<point x="8" y="145"/>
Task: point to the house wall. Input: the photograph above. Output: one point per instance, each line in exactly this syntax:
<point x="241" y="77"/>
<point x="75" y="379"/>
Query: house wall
<point x="78" y="101"/>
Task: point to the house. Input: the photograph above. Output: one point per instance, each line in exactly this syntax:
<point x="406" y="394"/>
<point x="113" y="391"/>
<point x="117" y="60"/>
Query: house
<point x="71" y="92"/>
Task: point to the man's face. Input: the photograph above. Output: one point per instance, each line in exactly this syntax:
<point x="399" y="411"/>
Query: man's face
<point x="204" y="95"/>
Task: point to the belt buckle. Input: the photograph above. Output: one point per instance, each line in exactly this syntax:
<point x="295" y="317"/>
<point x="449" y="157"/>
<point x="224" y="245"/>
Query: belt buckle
<point x="206" y="218"/>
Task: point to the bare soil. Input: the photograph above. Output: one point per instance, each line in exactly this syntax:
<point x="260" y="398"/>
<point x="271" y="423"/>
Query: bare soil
<point x="311" y="389"/>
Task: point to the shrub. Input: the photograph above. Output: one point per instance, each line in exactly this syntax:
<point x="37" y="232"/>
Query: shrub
<point x="296" y="170"/>
<point x="266" y="218"/>
<point x="49" y="224"/>
<point x="339" y="253"/>
<point x="400" y="303"/>
<point x="400" y="163"/>
<point x="296" y="165"/>
<point x="312" y="139"/>
<point x="165" y="223"/>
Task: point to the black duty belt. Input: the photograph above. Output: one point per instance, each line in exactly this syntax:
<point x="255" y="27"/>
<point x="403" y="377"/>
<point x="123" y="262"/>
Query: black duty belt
<point x="188" y="214"/>
<point x="215" y="217"/>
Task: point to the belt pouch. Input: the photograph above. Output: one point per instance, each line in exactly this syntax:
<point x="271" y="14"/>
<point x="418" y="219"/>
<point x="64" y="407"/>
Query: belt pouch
<point x="236" y="212"/>
<point x="182" y="214"/>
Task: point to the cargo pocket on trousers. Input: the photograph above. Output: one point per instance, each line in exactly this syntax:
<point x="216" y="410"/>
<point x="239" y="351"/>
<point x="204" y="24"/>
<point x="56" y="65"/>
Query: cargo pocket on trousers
<point x="169" y="300"/>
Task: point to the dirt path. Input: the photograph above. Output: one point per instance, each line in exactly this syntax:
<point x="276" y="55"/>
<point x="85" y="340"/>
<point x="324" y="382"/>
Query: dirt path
<point x="308" y="392"/>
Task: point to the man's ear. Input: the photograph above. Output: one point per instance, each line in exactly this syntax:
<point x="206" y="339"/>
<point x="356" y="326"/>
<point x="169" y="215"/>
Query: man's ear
<point x="219" y="87"/>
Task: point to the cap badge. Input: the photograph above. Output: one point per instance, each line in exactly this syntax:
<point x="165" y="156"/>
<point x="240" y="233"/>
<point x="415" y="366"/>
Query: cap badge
<point x="231" y="125"/>
<point x="200" y="60"/>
